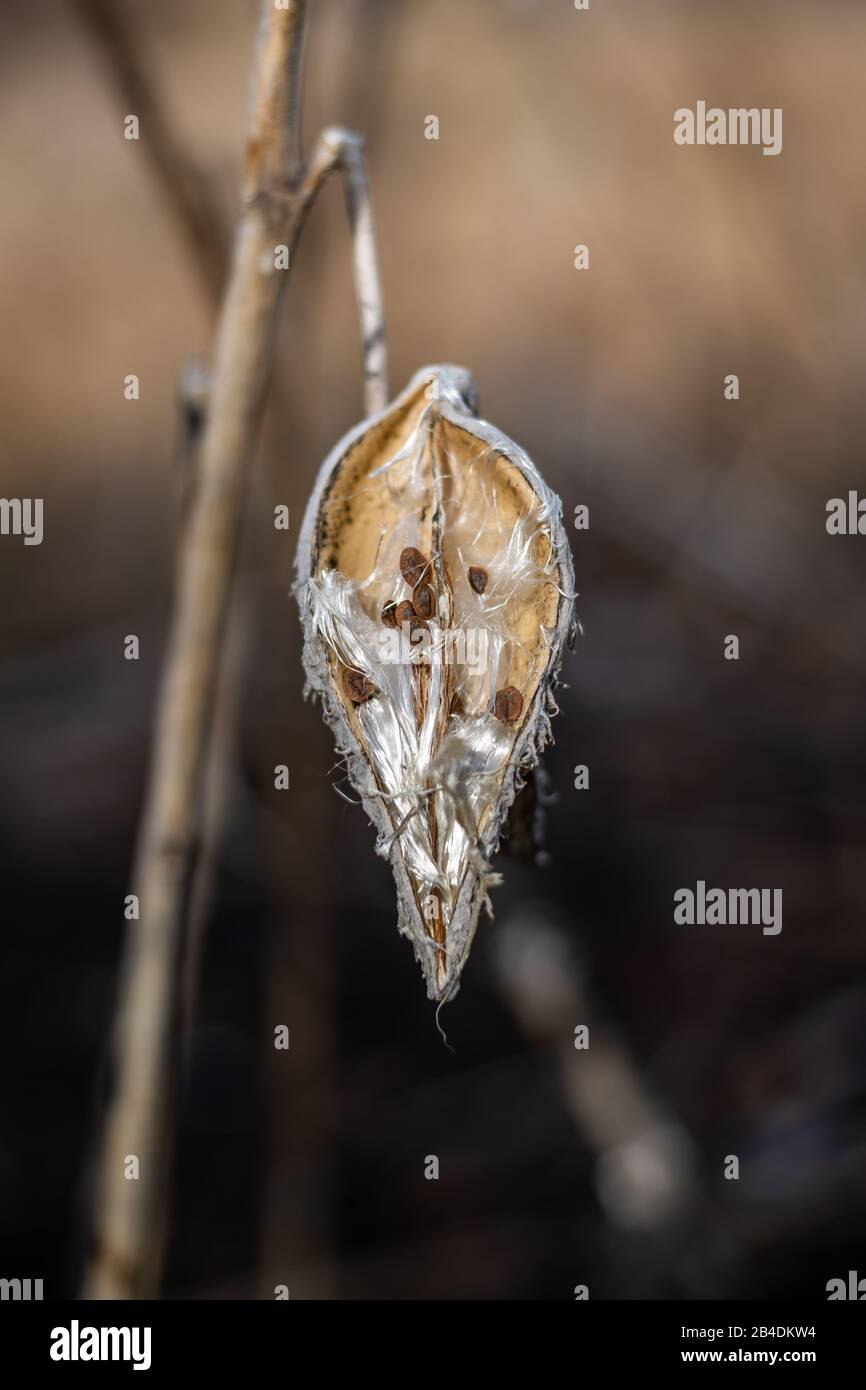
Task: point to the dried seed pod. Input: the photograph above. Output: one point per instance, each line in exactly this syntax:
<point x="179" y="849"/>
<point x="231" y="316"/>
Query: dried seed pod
<point x="508" y="704"/>
<point x="357" y="686"/>
<point x="413" y="565"/>
<point x="415" y="489"/>
<point x="424" y="601"/>
<point x="478" y="578"/>
<point x="389" y="615"/>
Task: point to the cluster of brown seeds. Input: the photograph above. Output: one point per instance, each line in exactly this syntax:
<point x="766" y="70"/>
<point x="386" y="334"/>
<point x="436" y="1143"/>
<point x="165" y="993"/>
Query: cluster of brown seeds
<point x="414" y="567"/>
<point x="417" y="611"/>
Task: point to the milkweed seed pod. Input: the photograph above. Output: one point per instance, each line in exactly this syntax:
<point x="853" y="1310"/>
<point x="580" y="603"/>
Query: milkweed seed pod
<point x="436" y="591"/>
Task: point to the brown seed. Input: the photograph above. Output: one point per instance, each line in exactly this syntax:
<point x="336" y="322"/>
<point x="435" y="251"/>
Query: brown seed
<point x="357" y="686"/>
<point x="405" y="613"/>
<point x="389" y="615"/>
<point x="424" y="600"/>
<point x="413" y="565"/>
<point x="508" y="704"/>
<point x="478" y="578"/>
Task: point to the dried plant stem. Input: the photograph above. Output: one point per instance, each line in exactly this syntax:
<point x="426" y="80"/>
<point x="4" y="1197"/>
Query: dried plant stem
<point x="279" y="190"/>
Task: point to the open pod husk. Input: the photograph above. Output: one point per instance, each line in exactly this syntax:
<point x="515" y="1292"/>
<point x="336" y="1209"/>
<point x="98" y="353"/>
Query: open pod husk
<point x="436" y="592"/>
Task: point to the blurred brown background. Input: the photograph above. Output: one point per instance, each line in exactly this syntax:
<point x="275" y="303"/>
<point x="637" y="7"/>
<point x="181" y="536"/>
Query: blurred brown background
<point x="706" y="518"/>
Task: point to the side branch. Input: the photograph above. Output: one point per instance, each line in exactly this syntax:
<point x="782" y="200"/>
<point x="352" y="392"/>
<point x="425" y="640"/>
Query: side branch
<point x="338" y="149"/>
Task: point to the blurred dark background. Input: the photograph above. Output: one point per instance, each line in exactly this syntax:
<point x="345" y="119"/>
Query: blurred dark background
<point x="558" y="1167"/>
